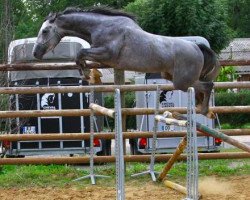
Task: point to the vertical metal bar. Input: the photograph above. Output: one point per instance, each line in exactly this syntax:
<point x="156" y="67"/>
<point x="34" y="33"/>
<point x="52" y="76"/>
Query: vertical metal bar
<point x="92" y="176"/>
<point x="81" y="118"/>
<point x="155" y="129"/>
<point x="38" y="104"/>
<point x="154" y="140"/>
<point x="17" y="119"/>
<point x="92" y="130"/>
<point x="60" y="117"/>
<point x="120" y="191"/>
<point x="192" y="155"/>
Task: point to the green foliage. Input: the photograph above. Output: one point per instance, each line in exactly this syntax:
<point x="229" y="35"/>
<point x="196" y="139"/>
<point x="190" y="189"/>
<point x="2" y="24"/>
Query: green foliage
<point x="233" y="99"/>
<point x="183" y="18"/>
<point x="4" y="105"/>
<point x="227" y="74"/>
<point x="28" y="15"/>
<point x="129" y="103"/>
<point x="239" y="17"/>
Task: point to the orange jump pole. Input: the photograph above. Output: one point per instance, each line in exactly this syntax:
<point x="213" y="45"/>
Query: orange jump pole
<point x="181" y="147"/>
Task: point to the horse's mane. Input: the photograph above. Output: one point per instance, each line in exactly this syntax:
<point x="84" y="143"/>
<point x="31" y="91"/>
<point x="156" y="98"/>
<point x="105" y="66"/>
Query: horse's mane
<point x="105" y="10"/>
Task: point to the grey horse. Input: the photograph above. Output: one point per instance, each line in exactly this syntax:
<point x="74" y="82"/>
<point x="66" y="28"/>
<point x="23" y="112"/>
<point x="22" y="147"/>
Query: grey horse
<point x="117" y="41"/>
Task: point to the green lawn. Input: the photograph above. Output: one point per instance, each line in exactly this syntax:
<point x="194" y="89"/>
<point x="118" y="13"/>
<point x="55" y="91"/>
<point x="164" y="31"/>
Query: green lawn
<point x="62" y="175"/>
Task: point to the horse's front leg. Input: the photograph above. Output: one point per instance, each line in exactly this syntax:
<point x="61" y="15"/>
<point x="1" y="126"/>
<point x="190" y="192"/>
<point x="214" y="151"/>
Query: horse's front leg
<point x="99" y="55"/>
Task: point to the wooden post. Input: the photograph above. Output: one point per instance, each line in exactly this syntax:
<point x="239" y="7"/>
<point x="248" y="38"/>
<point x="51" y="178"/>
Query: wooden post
<point x="181" y="147"/>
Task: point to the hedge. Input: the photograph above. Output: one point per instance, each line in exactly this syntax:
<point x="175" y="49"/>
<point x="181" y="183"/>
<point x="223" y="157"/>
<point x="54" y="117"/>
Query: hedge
<point x="241" y="98"/>
<point x="129" y="103"/>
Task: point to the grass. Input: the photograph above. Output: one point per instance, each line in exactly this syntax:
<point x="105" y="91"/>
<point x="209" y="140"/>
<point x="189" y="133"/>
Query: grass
<point x="62" y="175"/>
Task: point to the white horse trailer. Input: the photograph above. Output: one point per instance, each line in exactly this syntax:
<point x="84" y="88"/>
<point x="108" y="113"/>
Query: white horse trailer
<point x="20" y="51"/>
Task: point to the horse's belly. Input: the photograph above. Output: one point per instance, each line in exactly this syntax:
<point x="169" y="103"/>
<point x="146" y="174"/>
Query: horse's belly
<point x="146" y="64"/>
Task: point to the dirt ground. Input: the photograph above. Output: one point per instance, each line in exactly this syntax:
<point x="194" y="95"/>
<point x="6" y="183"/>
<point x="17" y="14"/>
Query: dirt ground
<point x="233" y="188"/>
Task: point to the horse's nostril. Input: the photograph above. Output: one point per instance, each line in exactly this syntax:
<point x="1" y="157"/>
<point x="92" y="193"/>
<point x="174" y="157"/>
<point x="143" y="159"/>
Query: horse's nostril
<point x="34" y="53"/>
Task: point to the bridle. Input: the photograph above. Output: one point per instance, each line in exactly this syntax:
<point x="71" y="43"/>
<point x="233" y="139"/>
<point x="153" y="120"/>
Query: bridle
<point x="55" y="36"/>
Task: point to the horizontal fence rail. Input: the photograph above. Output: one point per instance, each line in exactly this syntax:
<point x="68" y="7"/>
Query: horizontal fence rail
<point x="46" y="66"/>
<point x="127" y="158"/>
<point x="109" y="88"/>
<point x="234" y="62"/>
<point x="126" y="111"/>
<point x="72" y="65"/>
<point x="110" y="135"/>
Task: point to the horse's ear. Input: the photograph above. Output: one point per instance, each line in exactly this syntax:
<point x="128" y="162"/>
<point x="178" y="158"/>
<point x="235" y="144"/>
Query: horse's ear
<point x="52" y="17"/>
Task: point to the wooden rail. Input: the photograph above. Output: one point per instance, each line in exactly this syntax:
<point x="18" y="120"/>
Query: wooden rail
<point x="110" y="135"/>
<point x="127" y="158"/>
<point x="46" y="66"/>
<point x="126" y="111"/>
<point x="72" y="65"/>
<point x="109" y="88"/>
<point x="234" y="62"/>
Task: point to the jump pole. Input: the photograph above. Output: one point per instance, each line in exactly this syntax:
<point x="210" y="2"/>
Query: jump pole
<point x="179" y="150"/>
<point x="216" y="134"/>
<point x="177" y="187"/>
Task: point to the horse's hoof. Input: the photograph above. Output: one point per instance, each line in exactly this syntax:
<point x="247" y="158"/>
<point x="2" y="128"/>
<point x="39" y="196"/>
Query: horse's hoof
<point x="211" y="115"/>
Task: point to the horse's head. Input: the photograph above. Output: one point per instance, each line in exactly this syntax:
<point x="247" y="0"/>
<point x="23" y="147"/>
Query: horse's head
<point x="48" y="37"/>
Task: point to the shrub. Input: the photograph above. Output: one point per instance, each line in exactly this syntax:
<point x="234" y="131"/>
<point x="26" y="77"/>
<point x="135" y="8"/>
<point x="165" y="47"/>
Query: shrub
<point x="129" y="103"/>
<point x="241" y="98"/>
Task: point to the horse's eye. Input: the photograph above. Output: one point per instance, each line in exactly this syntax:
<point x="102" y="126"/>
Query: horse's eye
<point x="45" y="31"/>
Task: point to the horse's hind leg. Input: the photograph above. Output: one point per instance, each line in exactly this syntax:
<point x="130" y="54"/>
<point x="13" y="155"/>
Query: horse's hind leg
<point x="205" y="88"/>
<point x="199" y="96"/>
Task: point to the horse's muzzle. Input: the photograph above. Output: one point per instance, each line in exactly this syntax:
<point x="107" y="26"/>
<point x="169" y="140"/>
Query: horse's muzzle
<point x="39" y="50"/>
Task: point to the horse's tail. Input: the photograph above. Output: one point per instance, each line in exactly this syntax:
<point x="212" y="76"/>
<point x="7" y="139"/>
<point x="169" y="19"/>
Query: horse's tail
<point x="211" y="67"/>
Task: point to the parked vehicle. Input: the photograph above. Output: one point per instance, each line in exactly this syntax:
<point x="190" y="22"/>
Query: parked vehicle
<point x="20" y="51"/>
<point x="174" y="98"/>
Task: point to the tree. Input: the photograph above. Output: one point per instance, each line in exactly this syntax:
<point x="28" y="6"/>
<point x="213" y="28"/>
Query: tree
<point x="239" y="17"/>
<point x="184" y="18"/>
<point x="30" y="14"/>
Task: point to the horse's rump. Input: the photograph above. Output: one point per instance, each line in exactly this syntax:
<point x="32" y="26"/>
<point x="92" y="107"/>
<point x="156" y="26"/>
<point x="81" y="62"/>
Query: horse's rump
<point x="211" y="65"/>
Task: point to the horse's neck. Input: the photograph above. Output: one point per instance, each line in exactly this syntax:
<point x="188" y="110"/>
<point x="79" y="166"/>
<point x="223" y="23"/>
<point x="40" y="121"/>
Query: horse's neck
<point x="79" y="25"/>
